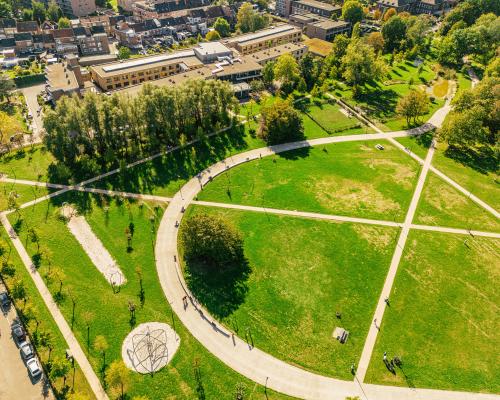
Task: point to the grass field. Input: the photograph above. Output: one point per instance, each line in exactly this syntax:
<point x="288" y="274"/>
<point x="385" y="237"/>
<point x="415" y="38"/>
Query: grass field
<point x="443" y="205"/>
<point x="24" y="193"/>
<point x="302" y="272"/>
<point x="443" y="319"/>
<point x="478" y="176"/>
<point x="463" y="81"/>
<point x="326" y="119"/>
<point x="111" y="317"/>
<point x="46" y="324"/>
<point x="418" y="145"/>
<point x="345" y="178"/>
<point x="379" y="100"/>
<point x="31" y="164"/>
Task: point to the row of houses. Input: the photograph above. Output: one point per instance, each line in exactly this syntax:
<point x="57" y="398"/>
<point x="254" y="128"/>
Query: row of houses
<point x="78" y="40"/>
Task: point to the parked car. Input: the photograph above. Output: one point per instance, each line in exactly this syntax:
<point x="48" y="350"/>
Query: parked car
<point x="4" y="300"/>
<point x="18" y="332"/>
<point x="34" y="368"/>
<point x="26" y="350"/>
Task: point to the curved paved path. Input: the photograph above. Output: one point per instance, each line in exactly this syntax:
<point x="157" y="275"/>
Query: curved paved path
<point x="237" y="354"/>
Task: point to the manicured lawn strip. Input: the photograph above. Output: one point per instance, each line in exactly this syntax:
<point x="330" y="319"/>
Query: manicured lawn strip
<point x="28" y="163"/>
<point x="443" y="318"/>
<point x="25" y="193"/>
<point x="464" y="82"/>
<point x="46" y="322"/>
<point x="481" y="179"/>
<point x="110" y="310"/>
<point x="164" y="175"/>
<point x="351" y="178"/>
<point x="324" y="120"/>
<point x="443" y="205"/>
<point x="302" y="272"/>
<point x="418" y="145"/>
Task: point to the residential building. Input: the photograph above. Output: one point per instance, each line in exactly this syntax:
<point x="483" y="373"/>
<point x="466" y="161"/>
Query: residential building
<point x="63" y="79"/>
<point x="8" y="26"/>
<point x="27" y="27"/>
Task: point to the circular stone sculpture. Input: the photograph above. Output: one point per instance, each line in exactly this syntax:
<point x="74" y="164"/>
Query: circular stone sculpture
<point x="149" y="347"/>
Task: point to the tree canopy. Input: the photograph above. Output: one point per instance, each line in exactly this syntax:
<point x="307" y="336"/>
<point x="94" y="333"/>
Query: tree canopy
<point x="413" y="105"/>
<point x="352" y="11"/>
<point x="361" y="65"/>
<point x="211" y="241"/>
<point x="250" y="20"/>
<point x="212" y="36"/>
<point x="475" y="119"/>
<point x="394" y="32"/>
<point x="286" y="70"/>
<point x="95" y="133"/>
<point x="222" y="26"/>
<point x="124" y="53"/>
<point x="280" y="123"/>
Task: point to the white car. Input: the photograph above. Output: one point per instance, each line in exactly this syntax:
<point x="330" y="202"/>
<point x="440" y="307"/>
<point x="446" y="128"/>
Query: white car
<point x="34" y="368"/>
<point x="26" y="350"/>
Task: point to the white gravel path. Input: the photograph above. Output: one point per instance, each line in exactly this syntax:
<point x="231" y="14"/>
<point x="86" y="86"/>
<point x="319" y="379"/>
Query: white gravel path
<point x="94" y="248"/>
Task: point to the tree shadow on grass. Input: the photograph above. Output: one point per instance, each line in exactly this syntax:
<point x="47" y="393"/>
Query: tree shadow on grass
<point x="179" y="165"/>
<point x="296" y="154"/>
<point x="220" y="291"/>
<point x="483" y="159"/>
<point x="378" y="102"/>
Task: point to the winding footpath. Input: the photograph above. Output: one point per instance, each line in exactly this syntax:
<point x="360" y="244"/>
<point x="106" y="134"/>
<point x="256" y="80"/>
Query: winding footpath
<point x="250" y="361"/>
<point x="233" y="351"/>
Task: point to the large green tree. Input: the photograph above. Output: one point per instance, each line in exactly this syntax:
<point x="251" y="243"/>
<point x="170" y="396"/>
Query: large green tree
<point x="5" y="9"/>
<point x="394" y="33"/>
<point x="250" y="20"/>
<point x="286" y="71"/>
<point x="280" y="123"/>
<point x="352" y="11"/>
<point x="211" y="241"/>
<point x="39" y="11"/>
<point x="53" y="11"/>
<point x="413" y="105"/>
<point x="222" y="26"/>
<point x="361" y="65"/>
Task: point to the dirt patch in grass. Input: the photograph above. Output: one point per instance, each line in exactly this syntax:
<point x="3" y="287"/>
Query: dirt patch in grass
<point x="377" y="237"/>
<point x="402" y="174"/>
<point x="352" y="195"/>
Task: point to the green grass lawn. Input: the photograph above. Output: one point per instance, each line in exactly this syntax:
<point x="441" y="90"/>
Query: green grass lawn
<point x="464" y="82"/>
<point x="110" y="310"/>
<point x="326" y="119"/>
<point x="443" y="318"/>
<point x="302" y="272"/>
<point x="28" y="163"/>
<point x="443" y="205"/>
<point x="345" y="178"/>
<point x="379" y="99"/>
<point x="418" y="145"/>
<point x="479" y="177"/>
<point x="24" y="193"/>
<point x="46" y="324"/>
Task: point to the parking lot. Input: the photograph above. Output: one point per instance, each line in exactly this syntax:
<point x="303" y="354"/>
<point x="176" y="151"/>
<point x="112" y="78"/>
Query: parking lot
<point x="15" y="382"/>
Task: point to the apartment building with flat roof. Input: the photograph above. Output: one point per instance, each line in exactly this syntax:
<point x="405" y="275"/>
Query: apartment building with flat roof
<point x="213" y="60"/>
<point x="266" y="38"/>
<point x="297" y="50"/>
<point x="135" y="72"/>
